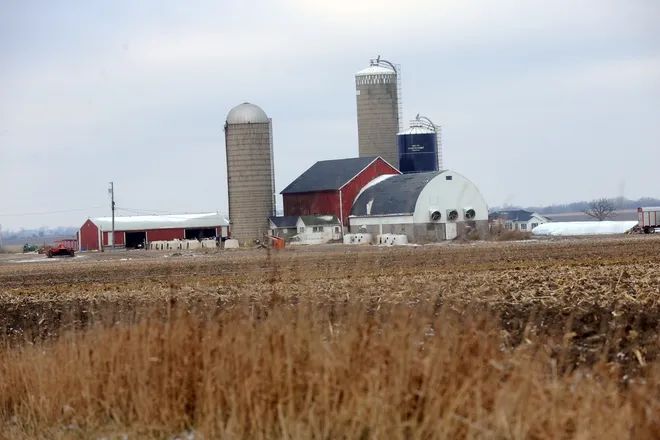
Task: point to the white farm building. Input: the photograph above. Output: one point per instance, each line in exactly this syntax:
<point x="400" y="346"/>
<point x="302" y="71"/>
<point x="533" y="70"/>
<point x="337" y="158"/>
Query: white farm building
<point x="426" y="207"/>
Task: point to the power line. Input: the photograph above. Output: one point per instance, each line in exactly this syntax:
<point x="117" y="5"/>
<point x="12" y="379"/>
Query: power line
<point x="144" y="210"/>
<point x="155" y="212"/>
<point x="52" y="212"/>
<point x="136" y="212"/>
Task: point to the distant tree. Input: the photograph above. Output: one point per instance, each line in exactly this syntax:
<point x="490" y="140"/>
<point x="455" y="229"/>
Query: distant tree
<point x="601" y="209"/>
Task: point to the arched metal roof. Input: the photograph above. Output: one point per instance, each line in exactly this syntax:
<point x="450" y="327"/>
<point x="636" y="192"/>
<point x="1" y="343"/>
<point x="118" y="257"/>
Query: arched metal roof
<point x="395" y="195"/>
<point x="247" y="113"/>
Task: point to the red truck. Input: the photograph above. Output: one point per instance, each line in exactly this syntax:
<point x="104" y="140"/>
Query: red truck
<point x="62" y="248"/>
<point x="649" y="219"/>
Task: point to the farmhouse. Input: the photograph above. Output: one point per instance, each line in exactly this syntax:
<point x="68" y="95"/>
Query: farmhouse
<point x="317" y="229"/>
<point x="307" y="229"/>
<point x="330" y="186"/>
<point x="283" y="226"/>
<point x="519" y="220"/>
<point x="132" y="231"/>
<point x="426" y="207"/>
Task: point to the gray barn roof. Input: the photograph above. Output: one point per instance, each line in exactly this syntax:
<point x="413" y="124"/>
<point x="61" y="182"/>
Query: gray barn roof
<point x="516" y="215"/>
<point x="320" y="220"/>
<point x="328" y="175"/>
<point x="285" y="221"/>
<point x="395" y="195"/>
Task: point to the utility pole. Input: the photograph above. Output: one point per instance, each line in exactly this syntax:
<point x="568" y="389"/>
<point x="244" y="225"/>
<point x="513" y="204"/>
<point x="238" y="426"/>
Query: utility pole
<point x="112" y="198"/>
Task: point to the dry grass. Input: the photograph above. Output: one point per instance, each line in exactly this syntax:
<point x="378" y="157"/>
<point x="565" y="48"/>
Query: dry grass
<point x="477" y="341"/>
<point x="12" y="249"/>
<point x="510" y="235"/>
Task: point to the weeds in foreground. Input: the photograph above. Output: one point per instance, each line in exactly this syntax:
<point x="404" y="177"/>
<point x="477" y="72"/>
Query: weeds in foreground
<point x="338" y="370"/>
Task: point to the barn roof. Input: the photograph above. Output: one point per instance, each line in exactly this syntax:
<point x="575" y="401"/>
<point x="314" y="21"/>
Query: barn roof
<point x="396" y="195"/>
<point x="171" y="221"/>
<point x="515" y="215"/>
<point x="520" y="215"/>
<point x="319" y="220"/>
<point x="284" y="221"/>
<point x="328" y="175"/>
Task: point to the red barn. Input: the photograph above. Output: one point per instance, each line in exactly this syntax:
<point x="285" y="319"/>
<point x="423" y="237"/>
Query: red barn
<point x="331" y="186"/>
<point x="134" y="230"/>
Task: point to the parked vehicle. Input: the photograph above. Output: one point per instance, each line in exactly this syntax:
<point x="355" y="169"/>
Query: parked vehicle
<point x="62" y="248"/>
<point x="29" y="248"/>
<point x="649" y="219"/>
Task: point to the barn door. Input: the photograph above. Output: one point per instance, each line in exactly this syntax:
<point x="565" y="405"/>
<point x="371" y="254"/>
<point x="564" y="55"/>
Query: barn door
<point x="450" y="231"/>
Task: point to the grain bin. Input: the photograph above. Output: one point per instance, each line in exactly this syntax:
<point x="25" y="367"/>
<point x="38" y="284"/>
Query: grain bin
<point x="250" y="172"/>
<point x="419" y="147"/>
<point x="378" y="110"/>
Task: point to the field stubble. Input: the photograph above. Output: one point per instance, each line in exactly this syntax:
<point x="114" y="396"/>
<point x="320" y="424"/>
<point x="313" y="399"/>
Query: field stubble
<point x="481" y="341"/>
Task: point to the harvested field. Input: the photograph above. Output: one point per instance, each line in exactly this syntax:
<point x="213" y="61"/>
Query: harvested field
<point x="540" y="339"/>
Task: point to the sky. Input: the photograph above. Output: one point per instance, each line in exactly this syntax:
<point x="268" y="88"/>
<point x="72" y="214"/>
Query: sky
<point x="540" y="102"/>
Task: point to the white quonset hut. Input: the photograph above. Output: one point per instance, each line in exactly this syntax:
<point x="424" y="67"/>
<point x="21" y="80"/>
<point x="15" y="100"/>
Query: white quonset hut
<point x="426" y="207"/>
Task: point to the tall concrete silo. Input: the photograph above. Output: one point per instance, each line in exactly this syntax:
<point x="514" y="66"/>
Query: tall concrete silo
<point x="420" y="148"/>
<point x="250" y="172"/>
<point x="378" y="110"/>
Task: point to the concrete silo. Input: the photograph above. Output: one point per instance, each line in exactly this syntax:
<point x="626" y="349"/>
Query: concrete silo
<point x="419" y="147"/>
<point x="378" y="110"/>
<point x="250" y="172"/>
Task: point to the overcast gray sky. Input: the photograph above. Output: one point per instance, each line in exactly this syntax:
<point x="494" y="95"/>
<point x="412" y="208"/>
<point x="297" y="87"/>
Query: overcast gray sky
<point x="539" y="102"/>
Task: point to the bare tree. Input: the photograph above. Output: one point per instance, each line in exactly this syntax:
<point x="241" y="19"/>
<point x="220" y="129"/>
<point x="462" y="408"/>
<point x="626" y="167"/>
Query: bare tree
<point x="601" y="209"/>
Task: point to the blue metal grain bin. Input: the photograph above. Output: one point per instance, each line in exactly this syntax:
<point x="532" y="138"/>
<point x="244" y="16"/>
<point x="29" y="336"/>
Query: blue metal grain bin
<point x="418" y="148"/>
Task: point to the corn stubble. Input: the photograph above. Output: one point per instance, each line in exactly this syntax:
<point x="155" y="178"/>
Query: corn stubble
<point x="304" y="346"/>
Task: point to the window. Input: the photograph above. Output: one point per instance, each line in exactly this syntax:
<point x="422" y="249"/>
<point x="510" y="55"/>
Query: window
<point x="508" y="226"/>
<point x="336" y="229"/>
<point x="448" y="177"/>
<point x="523" y="226"/>
<point x="301" y="229"/>
<point x="317" y="229"/>
<point x="534" y="225"/>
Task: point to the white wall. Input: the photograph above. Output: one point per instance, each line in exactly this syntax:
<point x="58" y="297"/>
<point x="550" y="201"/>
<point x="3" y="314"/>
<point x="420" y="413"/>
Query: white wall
<point x="379" y="221"/>
<point x="443" y="194"/>
<point x="308" y="236"/>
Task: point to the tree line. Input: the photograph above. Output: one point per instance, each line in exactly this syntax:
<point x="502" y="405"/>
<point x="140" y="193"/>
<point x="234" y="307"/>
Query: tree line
<point x="600" y="209"/>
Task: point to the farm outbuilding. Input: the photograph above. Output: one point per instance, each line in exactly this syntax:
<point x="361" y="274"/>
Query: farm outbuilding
<point x="518" y="219"/>
<point x="317" y="229"/>
<point x="283" y="226"/>
<point x="426" y="207"/>
<point x="306" y="229"/>
<point x="330" y="186"/>
<point x="132" y="231"/>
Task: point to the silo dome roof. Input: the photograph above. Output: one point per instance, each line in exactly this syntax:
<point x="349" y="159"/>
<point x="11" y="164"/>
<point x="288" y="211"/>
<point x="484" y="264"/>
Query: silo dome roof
<point x="416" y="130"/>
<point x="247" y="113"/>
<point x="375" y="70"/>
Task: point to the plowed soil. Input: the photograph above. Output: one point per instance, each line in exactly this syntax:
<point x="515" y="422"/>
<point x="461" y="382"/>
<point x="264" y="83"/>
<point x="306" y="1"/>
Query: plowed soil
<point x="605" y="289"/>
<point x="537" y="339"/>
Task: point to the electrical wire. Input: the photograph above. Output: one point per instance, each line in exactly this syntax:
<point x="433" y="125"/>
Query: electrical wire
<point x="143" y="210"/>
<point x="53" y="212"/>
<point x="133" y="211"/>
<point x="149" y="212"/>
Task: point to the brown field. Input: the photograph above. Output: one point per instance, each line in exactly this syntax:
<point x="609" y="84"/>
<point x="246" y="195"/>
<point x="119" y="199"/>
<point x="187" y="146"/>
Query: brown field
<point x="549" y="339"/>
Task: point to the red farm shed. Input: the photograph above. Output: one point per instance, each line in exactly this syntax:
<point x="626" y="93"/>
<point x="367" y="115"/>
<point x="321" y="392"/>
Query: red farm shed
<point x="331" y="186"/>
<point x="134" y="230"/>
